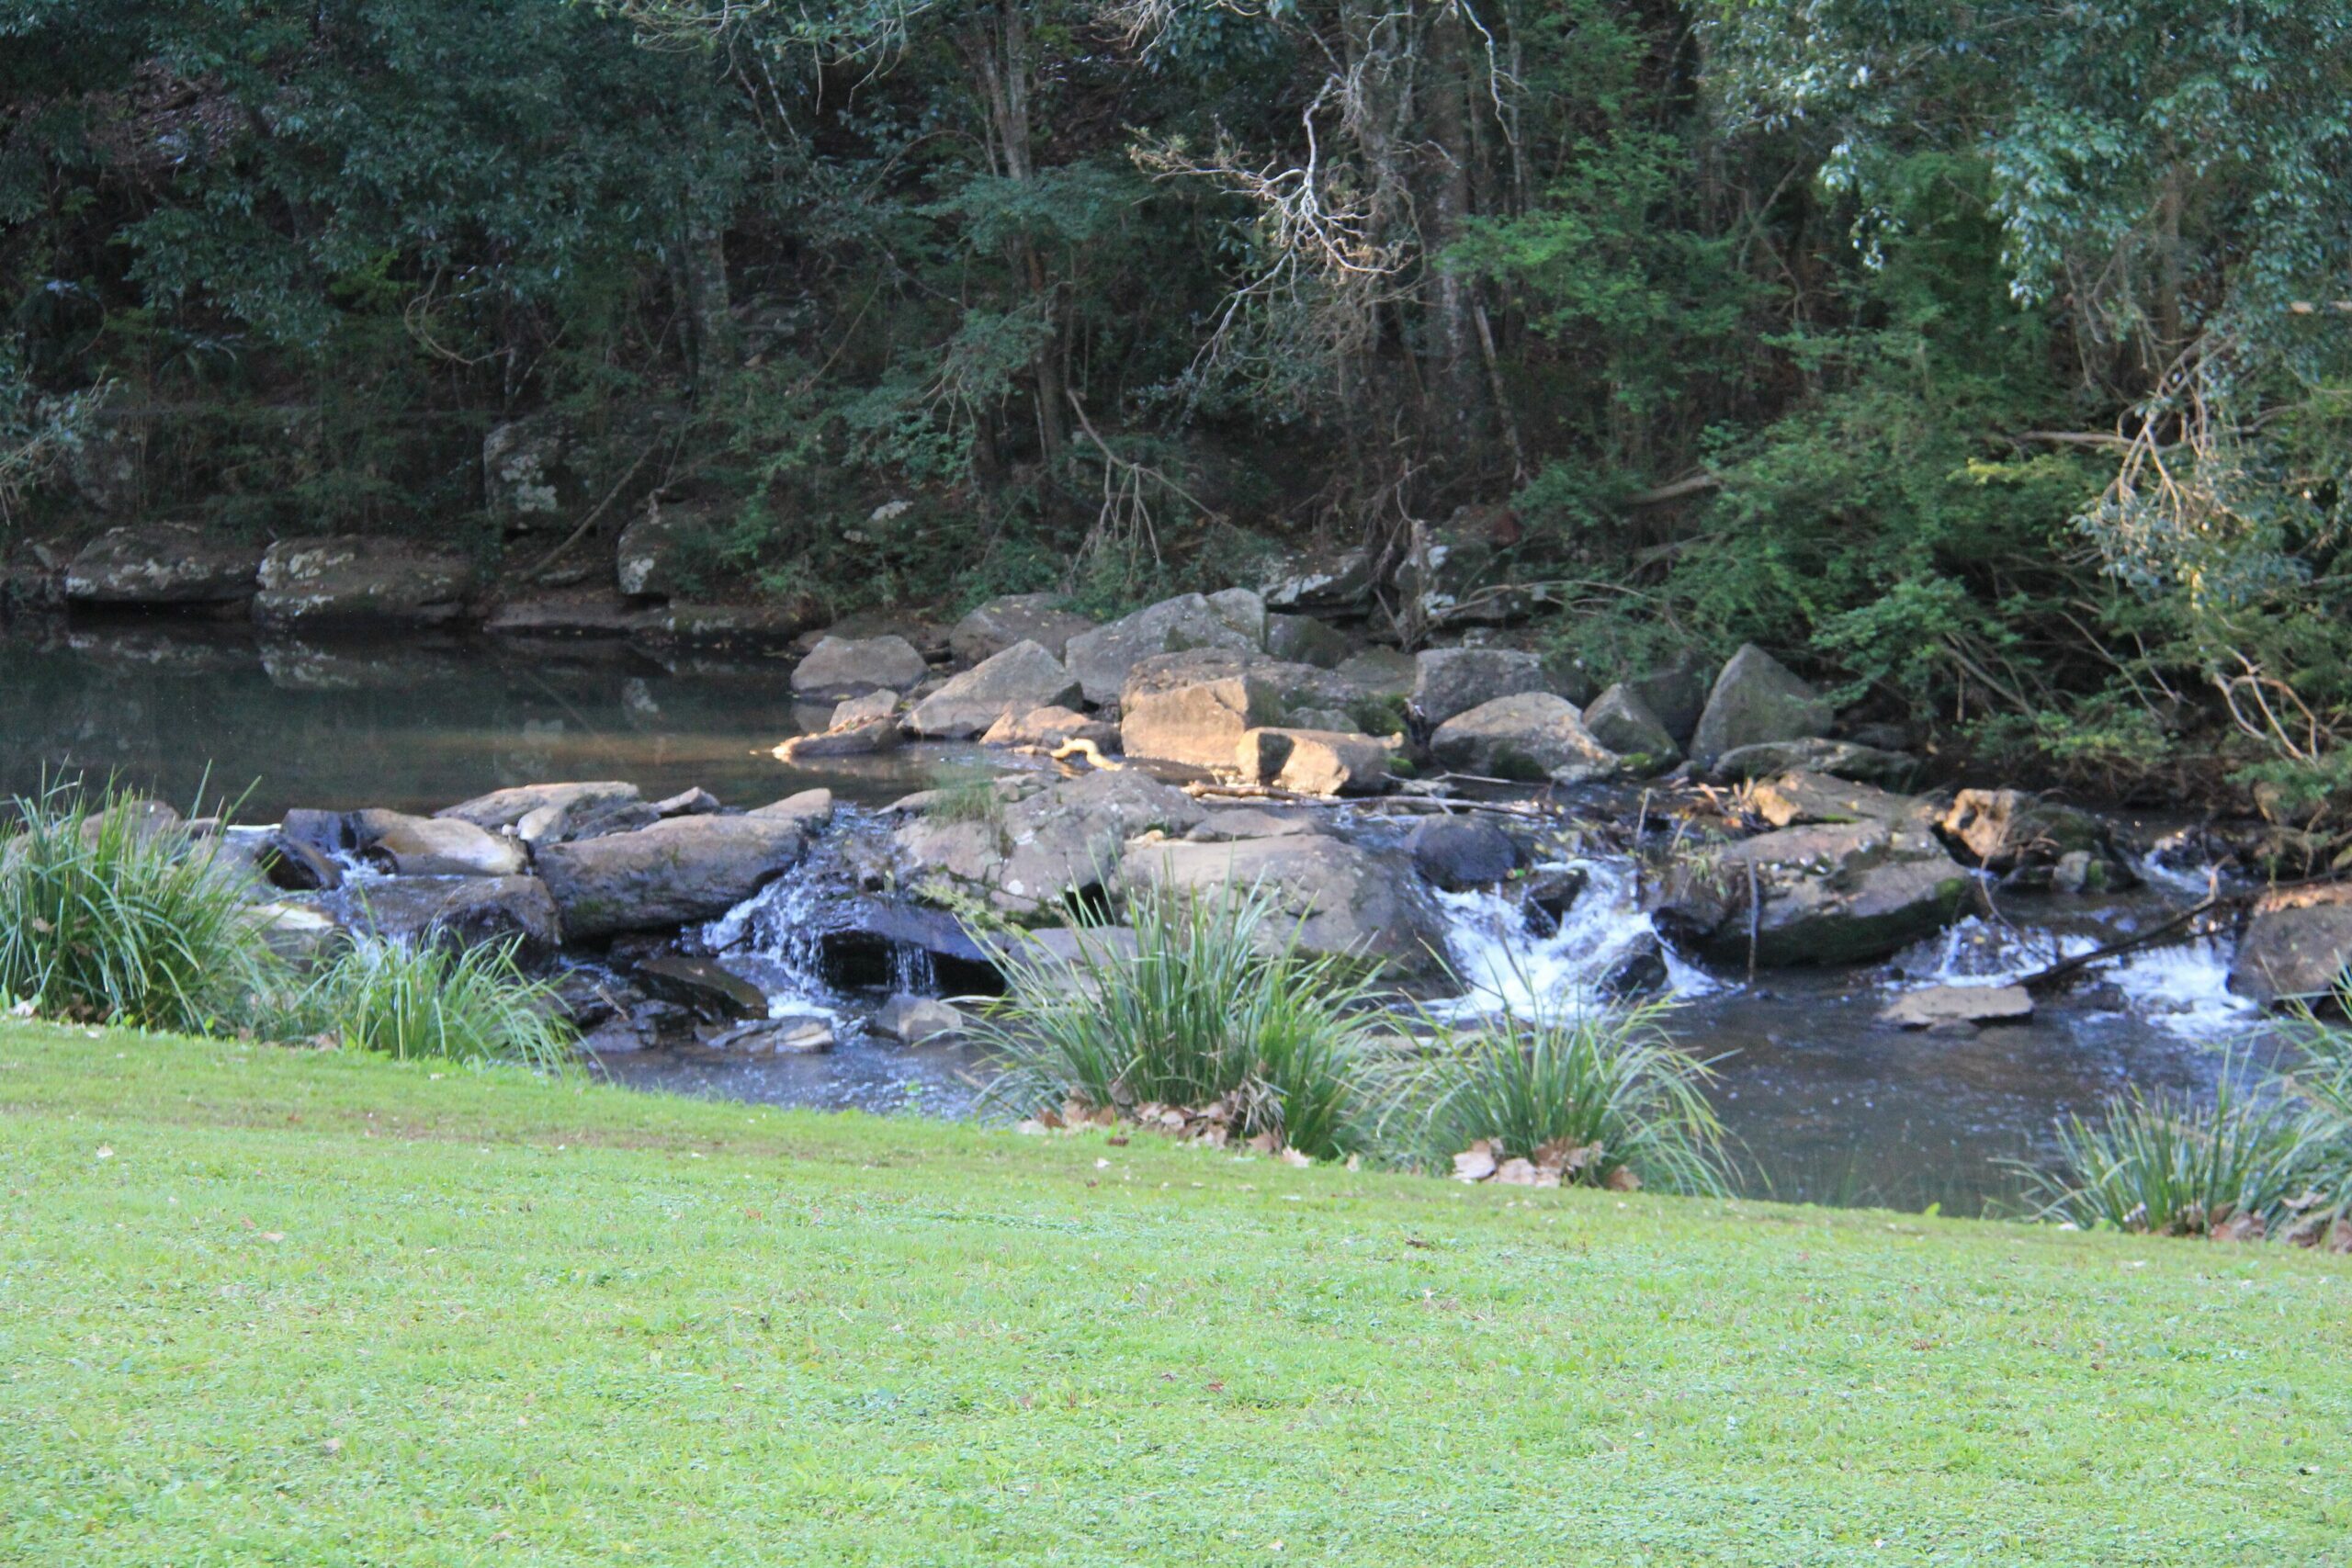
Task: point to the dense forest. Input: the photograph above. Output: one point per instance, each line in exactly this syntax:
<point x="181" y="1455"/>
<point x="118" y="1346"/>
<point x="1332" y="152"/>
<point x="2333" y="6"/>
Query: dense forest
<point x="1990" y="362"/>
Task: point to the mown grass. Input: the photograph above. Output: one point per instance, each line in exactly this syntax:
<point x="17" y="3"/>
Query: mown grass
<point x="259" y="1306"/>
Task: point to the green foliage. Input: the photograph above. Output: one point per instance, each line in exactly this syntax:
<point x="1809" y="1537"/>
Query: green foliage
<point x="432" y="1002"/>
<point x="107" y="916"/>
<point x="1601" y="1094"/>
<point x="2166" y="1165"/>
<point x="1215" y="1006"/>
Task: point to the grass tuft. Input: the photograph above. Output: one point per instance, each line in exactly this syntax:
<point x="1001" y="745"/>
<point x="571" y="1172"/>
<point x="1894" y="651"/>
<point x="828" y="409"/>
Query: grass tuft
<point x="107" y="916"/>
<point x="1214" y="1005"/>
<point x="465" y="1005"/>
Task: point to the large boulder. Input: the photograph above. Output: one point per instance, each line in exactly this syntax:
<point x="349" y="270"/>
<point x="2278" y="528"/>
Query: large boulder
<point x="1101" y="658"/>
<point x="1449" y="681"/>
<point x="505" y="807"/>
<point x="1313" y="762"/>
<point x="1019" y="680"/>
<point x="839" y="667"/>
<point x="1244" y="611"/>
<point x="1621" y="720"/>
<point x="1329" y="580"/>
<point x="1756" y="699"/>
<point x="675" y="871"/>
<point x="356" y="580"/>
<point x="1677" y="692"/>
<point x="1302" y="639"/>
<point x="2297" y="947"/>
<point x="161" y="563"/>
<point x="434" y="846"/>
<point x="1337" y="899"/>
<point x="1533" y="737"/>
<point x="1015" y="618"/>
<point x="650" y="559"/>
<point x="1194" y="708"/>
<point x="461" y="911"/>
<point x="1026" y="857"/>
<point x="1846" y="893"/>
<point x="1799" y="799"/>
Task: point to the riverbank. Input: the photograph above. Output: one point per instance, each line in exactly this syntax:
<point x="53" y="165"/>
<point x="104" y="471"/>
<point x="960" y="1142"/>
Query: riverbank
<point x="293" y="1306"/>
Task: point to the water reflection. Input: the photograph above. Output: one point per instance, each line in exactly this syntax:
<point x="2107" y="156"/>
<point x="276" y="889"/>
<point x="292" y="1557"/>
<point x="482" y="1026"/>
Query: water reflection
<point x="413" y="723"/>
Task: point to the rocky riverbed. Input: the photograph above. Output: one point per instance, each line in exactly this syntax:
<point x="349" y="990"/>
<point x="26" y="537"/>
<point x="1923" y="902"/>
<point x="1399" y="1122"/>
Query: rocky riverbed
<point x="1720" y="834"/>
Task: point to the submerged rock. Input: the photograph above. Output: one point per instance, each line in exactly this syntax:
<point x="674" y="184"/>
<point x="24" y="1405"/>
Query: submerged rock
<point x="1935" y="1005"/>
<point x="1533" y="736"/>
<point x="1756" y="700"/>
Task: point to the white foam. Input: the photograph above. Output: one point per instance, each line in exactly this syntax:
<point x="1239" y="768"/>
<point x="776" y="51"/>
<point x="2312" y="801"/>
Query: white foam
<point x="1503" y="965"/>
<point x="2183" y="988"/>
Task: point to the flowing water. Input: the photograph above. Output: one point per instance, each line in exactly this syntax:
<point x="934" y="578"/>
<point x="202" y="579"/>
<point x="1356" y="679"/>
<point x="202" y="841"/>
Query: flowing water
<point x="1829" y="1105"/>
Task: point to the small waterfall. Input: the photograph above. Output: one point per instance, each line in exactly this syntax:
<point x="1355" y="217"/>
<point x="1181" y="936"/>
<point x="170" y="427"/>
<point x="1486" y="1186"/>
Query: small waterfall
<point x="1602" y="938"/>
<point x="2183" y="988"/>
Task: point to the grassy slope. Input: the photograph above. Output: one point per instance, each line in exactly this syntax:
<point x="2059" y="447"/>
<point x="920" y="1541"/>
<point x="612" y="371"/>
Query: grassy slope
<point x="319" y="1309"/>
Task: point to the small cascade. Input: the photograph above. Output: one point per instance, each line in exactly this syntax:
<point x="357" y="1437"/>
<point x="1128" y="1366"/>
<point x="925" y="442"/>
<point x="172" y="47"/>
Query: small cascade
<point x="1603" y="948"/>
<point x="2184" y="989"/>
<point x="1977" y="951"/>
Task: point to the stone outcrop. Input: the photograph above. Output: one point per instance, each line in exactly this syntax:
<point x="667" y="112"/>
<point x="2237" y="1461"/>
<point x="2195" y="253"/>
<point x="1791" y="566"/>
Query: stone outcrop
<point x="1302" y="639"/>
<point x="1339" y="899"/>
<point x="1019" y="680"/>
<point x="1756" y="699"/>
<point x="1533" y="736"/>
<point x="2297" y="946"/>
<point x="1839" y="893"/>
<point x="1194" y="708"/>
<point x="1101" y="658"/>
<point x="679" y="871"/>
<point x="840" y="668"/>
<point x="1799" y="799"/>
<point x="1677" y="692"/>
<point x="357" y="580"/>
<point x="162" y="564"/>
<point x="1449" y="681"/>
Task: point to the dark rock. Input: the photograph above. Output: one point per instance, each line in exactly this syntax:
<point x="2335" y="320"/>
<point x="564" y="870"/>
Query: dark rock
<point x="1459" y="853"/>
<point x="2002" y="830"/>
<point x="1843" y="759"/>
<point x="1676" y="693"/>
<point x="1380" y="671"/>
<point x="325" y="833"/>
<point x="298" y="866"/>
<point x="1756" y="700"/>
<point x="582" y="613"/>
<point x="159" y="564"/>
<point x="527" y="475"/>
<point x="1843" y="893"/>
<point x="699" y="984"/>
<point x="2297" y="946"/>
<point x="1302" y="639"/>
<point x="463" y="911"/>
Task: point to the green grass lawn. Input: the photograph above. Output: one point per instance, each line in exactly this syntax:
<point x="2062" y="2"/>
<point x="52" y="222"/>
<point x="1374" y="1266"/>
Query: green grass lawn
<point x="262" y="1307"/>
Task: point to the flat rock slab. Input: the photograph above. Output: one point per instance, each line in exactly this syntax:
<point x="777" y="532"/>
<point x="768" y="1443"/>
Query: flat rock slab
<point x="1937" y="1005"/>
<point x="161" y="563"/>
<point x="354" y="579"/>
<point x="672" y="873"/>
<point x="505" y="807"/>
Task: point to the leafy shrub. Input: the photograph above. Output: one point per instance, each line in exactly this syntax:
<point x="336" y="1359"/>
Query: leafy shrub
<point x="1597" y="1093"/>
<point x="469" y="1005"/>
<point x="1213" y="1005"/>
<point x="105" y="915"/>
